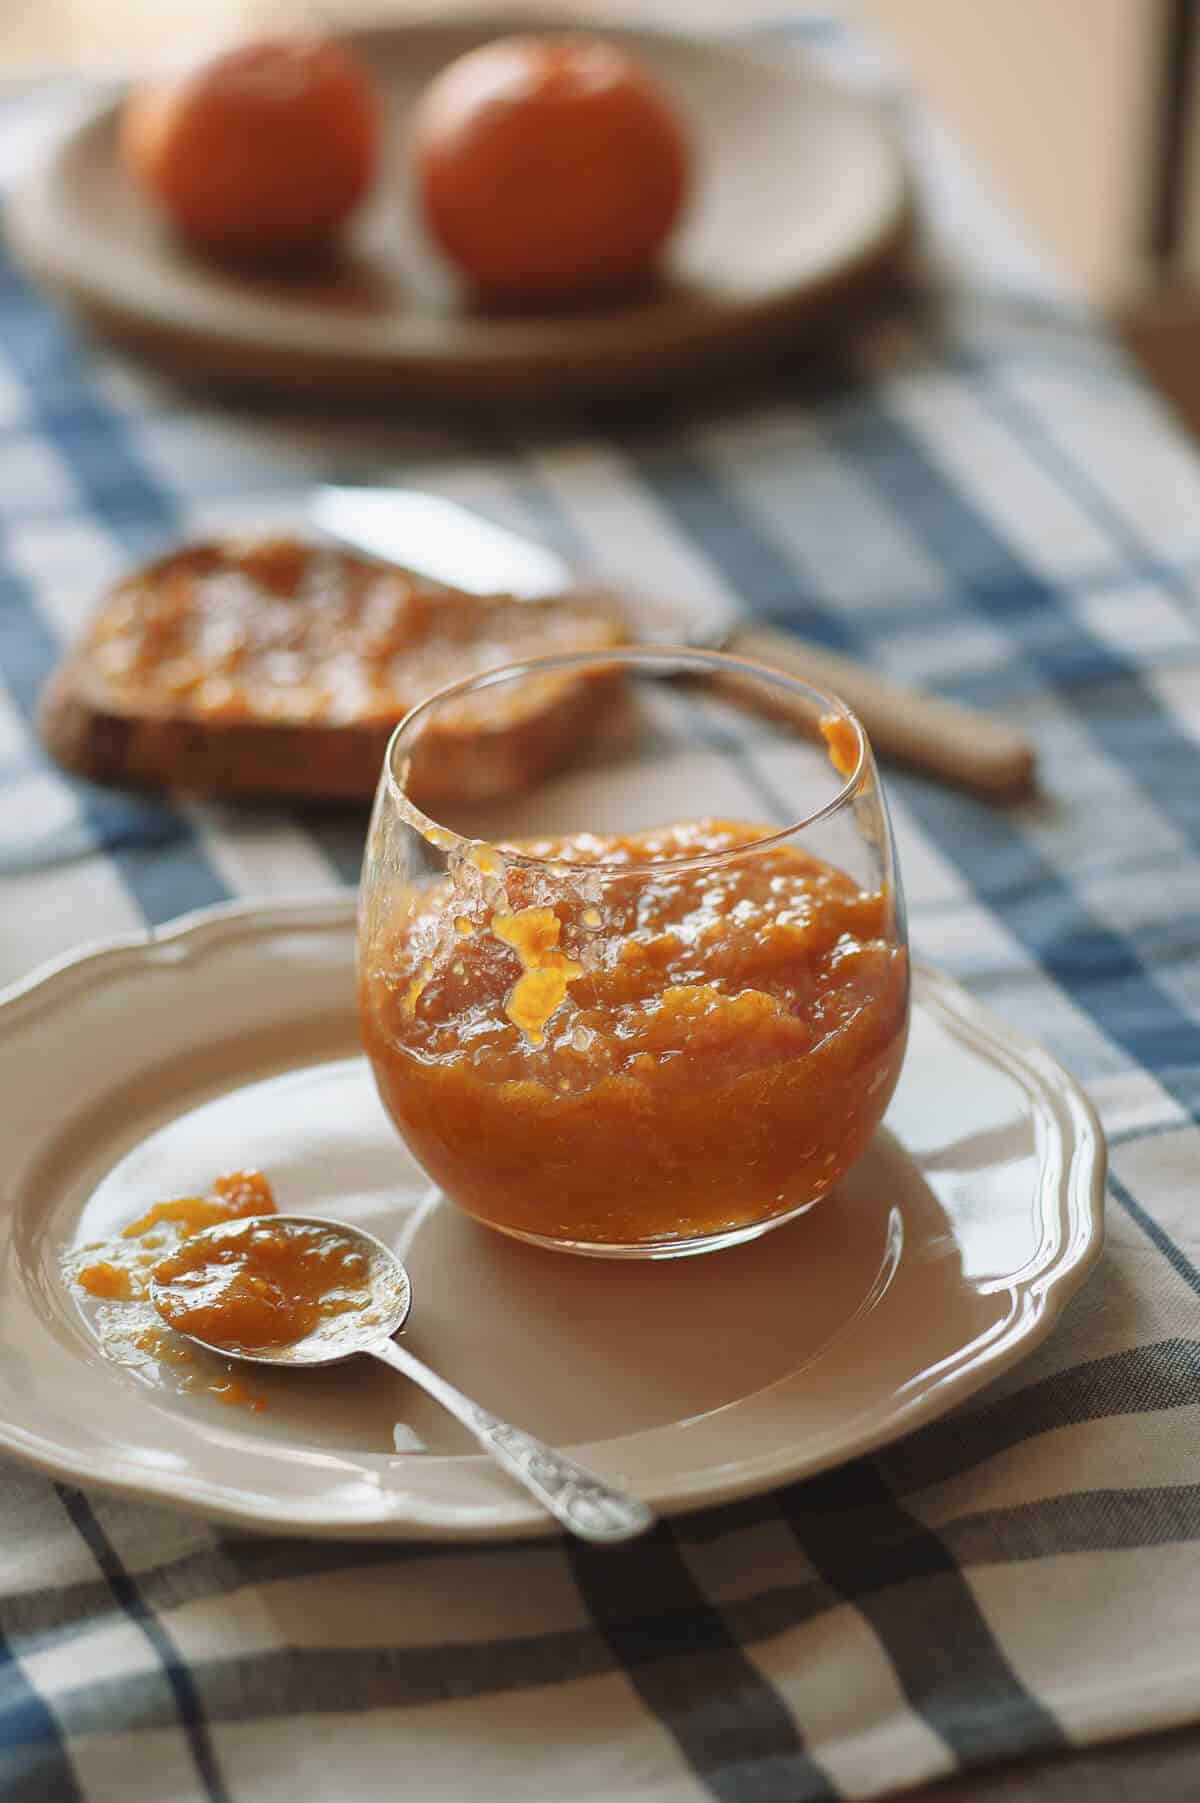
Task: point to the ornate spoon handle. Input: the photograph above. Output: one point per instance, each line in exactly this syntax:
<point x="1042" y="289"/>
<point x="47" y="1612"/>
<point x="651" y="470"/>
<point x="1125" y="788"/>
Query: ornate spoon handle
<point x="584" y="1503"/>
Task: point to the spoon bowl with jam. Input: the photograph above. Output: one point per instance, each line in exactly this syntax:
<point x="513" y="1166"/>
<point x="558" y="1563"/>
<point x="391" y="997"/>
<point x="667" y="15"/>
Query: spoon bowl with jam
<point x="297" y="1291"/>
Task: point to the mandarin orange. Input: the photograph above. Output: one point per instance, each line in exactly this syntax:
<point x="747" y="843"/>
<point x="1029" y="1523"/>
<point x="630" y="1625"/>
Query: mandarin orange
<point x="262" y="152"/>
<point x="548" y="168"/>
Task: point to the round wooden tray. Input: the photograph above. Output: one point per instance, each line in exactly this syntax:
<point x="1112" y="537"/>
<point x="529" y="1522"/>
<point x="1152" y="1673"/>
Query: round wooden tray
<point x="800" y="193"/>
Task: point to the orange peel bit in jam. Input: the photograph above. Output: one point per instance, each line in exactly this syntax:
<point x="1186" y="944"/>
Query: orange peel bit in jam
<point x="842" y="741"/>
<point x="541" y="989"/>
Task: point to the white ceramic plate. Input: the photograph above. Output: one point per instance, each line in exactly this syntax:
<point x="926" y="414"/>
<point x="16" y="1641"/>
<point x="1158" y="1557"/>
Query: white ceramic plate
<point x="800" y="191"/>
<point x="146" y="1067"/>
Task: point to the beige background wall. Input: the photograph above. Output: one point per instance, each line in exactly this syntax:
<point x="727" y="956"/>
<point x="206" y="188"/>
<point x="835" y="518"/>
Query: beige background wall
<point x="1054" y="98"/>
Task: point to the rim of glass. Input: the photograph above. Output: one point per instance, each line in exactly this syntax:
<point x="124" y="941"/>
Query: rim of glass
<point x="638" y="656"/>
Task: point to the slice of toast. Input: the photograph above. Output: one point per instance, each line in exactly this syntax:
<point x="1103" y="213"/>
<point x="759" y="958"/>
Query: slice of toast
<point x="271" y="666"/>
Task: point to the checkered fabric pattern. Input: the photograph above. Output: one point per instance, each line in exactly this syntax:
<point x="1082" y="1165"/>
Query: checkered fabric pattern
<point x="986" y="501"/>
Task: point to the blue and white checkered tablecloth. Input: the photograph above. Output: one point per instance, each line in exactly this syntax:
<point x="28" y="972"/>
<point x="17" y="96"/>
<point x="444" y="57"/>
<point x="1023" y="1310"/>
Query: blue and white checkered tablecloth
<point x="992" y="504"/>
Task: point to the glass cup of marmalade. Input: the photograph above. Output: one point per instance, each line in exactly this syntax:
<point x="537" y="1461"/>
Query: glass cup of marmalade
<point x="633" y="968"/>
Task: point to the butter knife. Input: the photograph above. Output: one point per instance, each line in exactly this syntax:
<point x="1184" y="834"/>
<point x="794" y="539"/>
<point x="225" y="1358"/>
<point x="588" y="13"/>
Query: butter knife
<point x="445" y="542"/>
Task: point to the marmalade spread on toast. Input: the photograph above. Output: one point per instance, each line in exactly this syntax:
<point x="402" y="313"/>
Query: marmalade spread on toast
<point x="279" y="631"/>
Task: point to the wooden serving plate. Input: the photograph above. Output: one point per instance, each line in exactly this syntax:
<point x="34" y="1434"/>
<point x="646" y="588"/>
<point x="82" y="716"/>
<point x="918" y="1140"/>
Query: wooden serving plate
<point x="800" y="195"/>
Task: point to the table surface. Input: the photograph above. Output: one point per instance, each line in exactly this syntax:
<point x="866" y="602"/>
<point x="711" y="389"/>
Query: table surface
<point x="972" y="488"/>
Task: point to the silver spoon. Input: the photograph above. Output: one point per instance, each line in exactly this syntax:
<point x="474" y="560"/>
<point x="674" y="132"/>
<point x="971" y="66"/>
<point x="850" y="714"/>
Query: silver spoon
<point x="581" y="1501"/>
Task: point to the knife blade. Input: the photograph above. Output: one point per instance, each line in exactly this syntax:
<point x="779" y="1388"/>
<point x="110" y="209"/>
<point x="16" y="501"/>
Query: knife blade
<point x="443" y="541"/>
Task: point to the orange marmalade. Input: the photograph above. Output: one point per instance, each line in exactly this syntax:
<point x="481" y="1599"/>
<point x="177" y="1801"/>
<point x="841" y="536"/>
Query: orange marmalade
<point x="609" y="1060"/>
<point x="116" y="1274"/>
<point x="262" y="1284"/>
<point x="277" y="630"/>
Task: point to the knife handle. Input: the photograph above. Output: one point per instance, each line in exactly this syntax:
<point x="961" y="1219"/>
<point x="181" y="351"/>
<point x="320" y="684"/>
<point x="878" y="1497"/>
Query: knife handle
<point x="956" y="744"/>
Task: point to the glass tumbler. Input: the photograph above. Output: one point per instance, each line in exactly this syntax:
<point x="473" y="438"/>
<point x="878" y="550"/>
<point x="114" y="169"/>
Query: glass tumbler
<point x="633" y="969"/>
